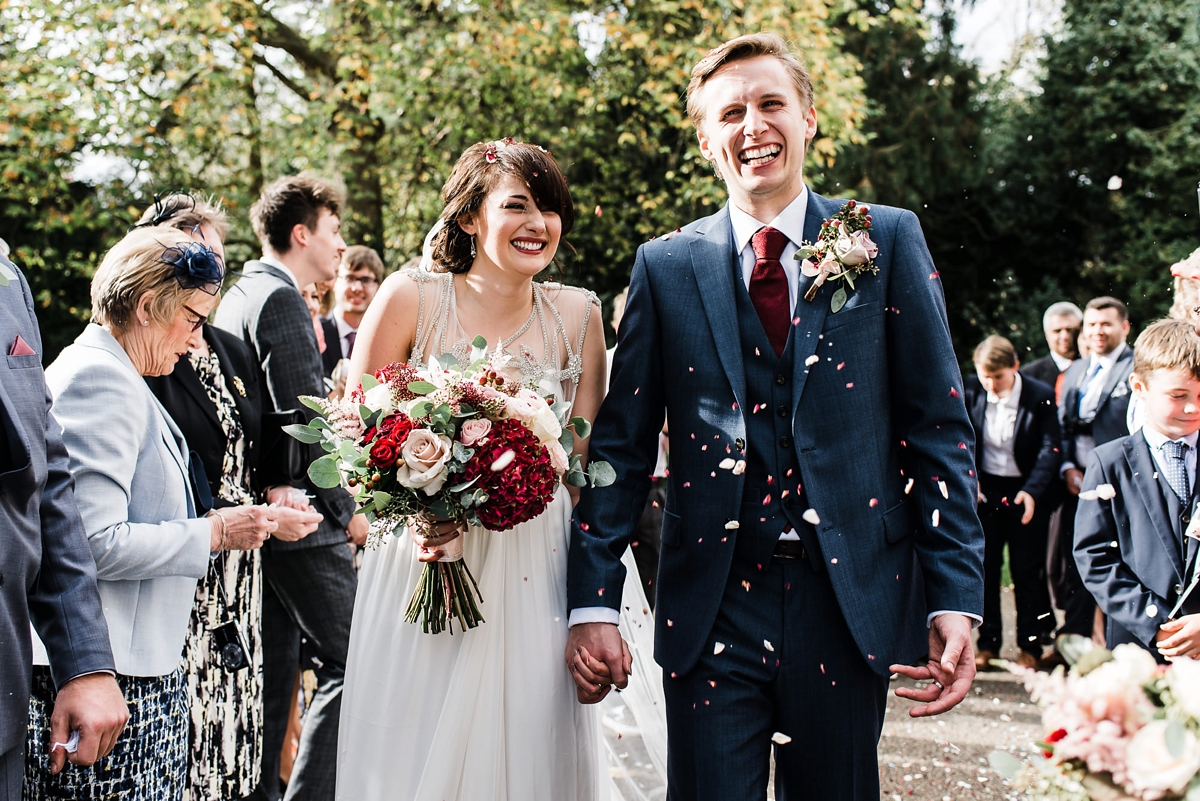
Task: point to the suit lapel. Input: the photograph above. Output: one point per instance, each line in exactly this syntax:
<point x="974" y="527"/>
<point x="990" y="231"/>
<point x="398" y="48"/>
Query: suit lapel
<point x="712" y="262"/>
<point x="811" y="315"/>
<point x="228" y="370"/>
<point x="1115" y="376"/>
<point x="185" y="374"/>
<point x="1137" y="454"/>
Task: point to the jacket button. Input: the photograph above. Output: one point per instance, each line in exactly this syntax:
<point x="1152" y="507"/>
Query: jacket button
<point x="785" y="441"/>
<point x="789" y="502"/>
<point x="740" y="444"/>
<point x="1178" y="589"/>
<point x="782" y="411"/>
<point x="781" y="379"/>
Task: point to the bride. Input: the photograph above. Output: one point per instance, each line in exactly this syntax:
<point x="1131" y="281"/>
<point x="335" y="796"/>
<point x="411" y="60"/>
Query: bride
<point x="487" y="714"/>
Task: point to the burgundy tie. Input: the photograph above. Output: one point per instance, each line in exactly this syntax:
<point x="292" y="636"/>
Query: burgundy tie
<point x="350" y="335"/>
<point x="769" y="286"/>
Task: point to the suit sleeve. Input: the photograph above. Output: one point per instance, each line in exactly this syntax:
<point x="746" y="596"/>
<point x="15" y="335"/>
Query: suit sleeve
<point x="935" y="432"/>
<point x="625" y="435"/>
<point x="1045" y="470"/>
<point x="291" y="365"/>
<point x="64" y="604"/>
<point x="1116" y="588"/>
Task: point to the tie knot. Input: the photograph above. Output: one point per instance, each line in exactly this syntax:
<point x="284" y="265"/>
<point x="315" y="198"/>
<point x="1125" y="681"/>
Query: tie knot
<point x="768" y="243"/>
<point x="1175" y="449"/>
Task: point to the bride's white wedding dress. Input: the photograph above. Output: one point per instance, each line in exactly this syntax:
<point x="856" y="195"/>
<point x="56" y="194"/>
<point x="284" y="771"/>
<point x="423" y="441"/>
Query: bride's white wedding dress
<point x="487" y="714"/>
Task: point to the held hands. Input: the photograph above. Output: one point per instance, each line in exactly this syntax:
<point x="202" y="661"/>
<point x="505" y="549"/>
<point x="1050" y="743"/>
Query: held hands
<point x="1026" y="500"/>
<point x="242" y="528"/>
<point x="598" y="659"/>
<point x="1180" y="638"/>
<point x="950" y="670"/>
<point x="357" y="530"/>
<point x="1074" y="478"/>
<point x="294" y="513"/>
<point x="431" y="536"/>
<point x="93" y="706"/>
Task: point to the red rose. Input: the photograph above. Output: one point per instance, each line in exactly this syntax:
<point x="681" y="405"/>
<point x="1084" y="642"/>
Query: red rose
<point x="383" y="453"/>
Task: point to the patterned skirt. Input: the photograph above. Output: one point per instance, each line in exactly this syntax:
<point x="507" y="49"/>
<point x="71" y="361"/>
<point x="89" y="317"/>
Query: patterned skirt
<point x="149" y="762"/>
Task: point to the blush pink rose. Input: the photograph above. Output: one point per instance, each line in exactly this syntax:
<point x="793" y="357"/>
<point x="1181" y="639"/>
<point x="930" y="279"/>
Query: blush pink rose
<point x="474" y="430"/>
<point x="423" y="461"/>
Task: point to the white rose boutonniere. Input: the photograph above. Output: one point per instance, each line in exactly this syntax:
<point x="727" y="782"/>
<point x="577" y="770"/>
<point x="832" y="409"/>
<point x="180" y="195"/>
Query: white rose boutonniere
<point x="843" y="250"/>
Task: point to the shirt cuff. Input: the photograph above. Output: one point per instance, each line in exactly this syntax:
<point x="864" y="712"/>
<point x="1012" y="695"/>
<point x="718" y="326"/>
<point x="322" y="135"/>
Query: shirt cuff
<point x="1062" y="471"/>
<point x="593" y="614"/>
<point x="90" y="673"/>
<point x="976" y="619"/>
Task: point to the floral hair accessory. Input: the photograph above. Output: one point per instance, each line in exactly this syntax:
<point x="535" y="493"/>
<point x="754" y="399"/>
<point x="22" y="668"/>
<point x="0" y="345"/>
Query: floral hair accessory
<point x="196" y="265"/>
<point x="166" y="206"/>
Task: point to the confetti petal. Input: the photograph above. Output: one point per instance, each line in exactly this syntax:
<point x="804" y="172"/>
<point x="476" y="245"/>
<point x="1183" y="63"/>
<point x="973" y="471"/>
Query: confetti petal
<point x="726" y="464"/>
<point x="1152" y="611"/>
<point x="945" y="491"/>
<point x="937" y="518"/>
<point x="811" y="516"/>
<point x="811" y="360"/>
<point x="718" y="647"/>
<point x="739" y="467"/>
<point x="732" y="525"/>
<point x="768" y="646"/>
<point x="503" y="461"/>
<point x="779" y="738"/>
<point x="908" y="487"/>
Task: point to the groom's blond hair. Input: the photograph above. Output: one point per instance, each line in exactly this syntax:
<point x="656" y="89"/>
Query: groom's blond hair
<point x="751" y="45"/>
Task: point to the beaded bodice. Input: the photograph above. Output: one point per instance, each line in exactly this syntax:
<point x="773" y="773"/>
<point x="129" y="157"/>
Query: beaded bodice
<point x="547" y="349"/>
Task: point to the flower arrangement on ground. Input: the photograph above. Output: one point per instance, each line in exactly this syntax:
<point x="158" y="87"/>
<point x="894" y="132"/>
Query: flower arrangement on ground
<point x="1119" y="727"/>
<point x="446" y="442"/>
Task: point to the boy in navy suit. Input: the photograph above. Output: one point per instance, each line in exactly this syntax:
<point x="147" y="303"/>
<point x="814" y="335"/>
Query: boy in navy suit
<point x="1138" y="498"/>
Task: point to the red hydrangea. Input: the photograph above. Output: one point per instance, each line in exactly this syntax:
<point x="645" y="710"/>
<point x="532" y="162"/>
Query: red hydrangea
<point x="524" y="488"/>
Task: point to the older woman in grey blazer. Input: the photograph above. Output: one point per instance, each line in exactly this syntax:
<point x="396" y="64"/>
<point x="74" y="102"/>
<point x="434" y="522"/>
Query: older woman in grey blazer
<point x="150" y="297"/>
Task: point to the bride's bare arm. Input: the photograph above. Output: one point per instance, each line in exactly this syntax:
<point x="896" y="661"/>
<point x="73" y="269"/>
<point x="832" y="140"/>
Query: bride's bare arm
<point x="590" y="391"/>
<point x="388" y="328"/>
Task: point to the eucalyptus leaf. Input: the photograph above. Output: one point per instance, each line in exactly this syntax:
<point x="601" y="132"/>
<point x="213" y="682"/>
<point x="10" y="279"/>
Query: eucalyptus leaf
<point x="465" y="410"/>
<point x="601" y="474"/>
<point x="320" y="424"/>
<point x="464" y="486"/>
<point x="347" y="451"/>
<point x="582" y="427"/>
<point x="380" y="499"/>
<point x="1005" y="764"/>
<point x="448" y="361"/>
<point x="324" y="472"/>
<point x="421" y="408"/>
<point x="838" y="300"/>
<point x="479" y="342"/>
<point x="369" y="382"/>
<point x="329" y="445"/>
<point x="368" y="416"/>
<point x="576" y="478"/>
<point x="567" y="440"/>
<point x="420" y="387"/>
<point x="313" y="403"/>
<point x="804" y="253"/>
<point x="462" y="453"/>
<point x="441" y="508"/>
<point x="303" y="433"/>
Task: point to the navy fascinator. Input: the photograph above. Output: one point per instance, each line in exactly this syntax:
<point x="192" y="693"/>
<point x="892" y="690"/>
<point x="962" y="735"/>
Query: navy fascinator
<point x="196" y="266"/>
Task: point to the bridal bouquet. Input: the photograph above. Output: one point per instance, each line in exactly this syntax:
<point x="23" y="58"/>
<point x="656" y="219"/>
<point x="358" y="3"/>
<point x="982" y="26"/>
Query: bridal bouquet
<point x="444" y="442"/>
<point x="1119" y="727"/>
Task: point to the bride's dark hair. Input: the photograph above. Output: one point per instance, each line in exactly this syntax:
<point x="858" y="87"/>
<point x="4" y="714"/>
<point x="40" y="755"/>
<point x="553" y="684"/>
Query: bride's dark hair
<point x="475" y="175"/>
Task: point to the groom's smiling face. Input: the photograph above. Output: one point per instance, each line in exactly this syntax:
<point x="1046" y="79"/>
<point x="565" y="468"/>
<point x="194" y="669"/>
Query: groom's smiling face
<point x="756" y="129"/>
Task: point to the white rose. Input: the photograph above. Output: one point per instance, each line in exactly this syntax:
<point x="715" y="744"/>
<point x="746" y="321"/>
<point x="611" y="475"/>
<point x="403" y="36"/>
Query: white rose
<point x="379" y="399"/>
<point x="558" y="457"/>
<point x="423" y="460"/>
<point x="1183" y="677"/>
<point x="524" y="406"/>
<point x="545" y="425"/>
<point x="1151" y="768"/>
<point x="850" y="250"/>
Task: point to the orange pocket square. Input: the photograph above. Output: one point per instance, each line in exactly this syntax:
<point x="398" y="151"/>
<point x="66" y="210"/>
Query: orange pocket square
<point x="20" y="348"/>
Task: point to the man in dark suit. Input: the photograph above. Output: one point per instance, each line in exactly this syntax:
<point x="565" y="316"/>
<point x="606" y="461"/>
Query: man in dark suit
<point x="47" y="573"/>
<point x="358" y="280"/>
<point x="1092" y="410"/>
<point x="1017" y="441"/>
<point x="1061" y="324"/>
<point x="820" y="524"/>
<point x="311" y="583"/>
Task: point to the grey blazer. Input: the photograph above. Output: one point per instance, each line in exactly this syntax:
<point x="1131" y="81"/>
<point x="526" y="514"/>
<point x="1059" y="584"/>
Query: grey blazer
<point x="46" y="570"/>
<point x="266" y="310"/>
<point x="130" y="469"/>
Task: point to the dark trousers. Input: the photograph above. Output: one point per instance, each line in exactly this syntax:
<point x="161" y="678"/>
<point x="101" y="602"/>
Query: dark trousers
<point x="789" y="665"/>
<point x="12" y="770"/>
<point x="1001" y="519"/>
<point x="310" y="591"/>
<point x="1078" y="605"/>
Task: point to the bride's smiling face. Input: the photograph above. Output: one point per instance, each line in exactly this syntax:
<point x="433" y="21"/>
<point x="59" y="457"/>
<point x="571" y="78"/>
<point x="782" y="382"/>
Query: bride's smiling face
<point x="511" y="232"/>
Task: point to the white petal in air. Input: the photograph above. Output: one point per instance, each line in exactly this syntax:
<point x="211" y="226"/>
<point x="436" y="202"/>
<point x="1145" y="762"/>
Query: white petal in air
<point x="945" y="491"/>
<point x="503" y="461"/>
<point x="726" y="464"/>
<point x="718" y="648"/>
<point x="779" y="738"/>
<point x="733" y="524"/>
<point x="811" y="516"/>
<point x="740" y="467"/>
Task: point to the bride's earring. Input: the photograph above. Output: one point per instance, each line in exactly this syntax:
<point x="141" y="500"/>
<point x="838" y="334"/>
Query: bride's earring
<point x="472" y="247"/>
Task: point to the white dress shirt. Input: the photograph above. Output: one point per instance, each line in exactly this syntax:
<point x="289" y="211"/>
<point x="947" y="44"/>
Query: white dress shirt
<point x="1156" y="439"/>
<point x="999" y="433"/>
<point x="344" y="329"/>
<point x="274" y="262"/>
<point x="789" y="222"/>
<point x="1093" y="393"/>
<point x="1062" y="362"/>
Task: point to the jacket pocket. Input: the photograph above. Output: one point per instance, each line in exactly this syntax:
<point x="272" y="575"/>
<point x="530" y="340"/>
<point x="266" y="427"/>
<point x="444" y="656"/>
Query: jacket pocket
<point x="671" y="534"/>
<point x="897" y="522"/>
<point x="24" y="361"/>
<point x="852" y="314"/>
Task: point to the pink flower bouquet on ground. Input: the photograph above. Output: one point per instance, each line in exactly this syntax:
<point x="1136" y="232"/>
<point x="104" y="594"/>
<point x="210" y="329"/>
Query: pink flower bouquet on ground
<point x="417" y="446"/>
<point x="1119" y="727"/>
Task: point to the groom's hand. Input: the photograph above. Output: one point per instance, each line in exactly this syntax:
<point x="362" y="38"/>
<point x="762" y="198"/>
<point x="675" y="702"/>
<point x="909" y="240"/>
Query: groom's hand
<point x="950" y="670"/>
<point x="598" y="659"/>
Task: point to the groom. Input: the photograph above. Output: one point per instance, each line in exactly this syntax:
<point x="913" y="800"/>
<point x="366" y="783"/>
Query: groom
<point x="820" y="519"/>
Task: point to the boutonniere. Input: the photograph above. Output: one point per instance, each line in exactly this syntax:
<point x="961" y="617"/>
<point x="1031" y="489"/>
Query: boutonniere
<point x="239" y="386"/>
<point x="843" y="250"/>
<point x="6" y="274"/>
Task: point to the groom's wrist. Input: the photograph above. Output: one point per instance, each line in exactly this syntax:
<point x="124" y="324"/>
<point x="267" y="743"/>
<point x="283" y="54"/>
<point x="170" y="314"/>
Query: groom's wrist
<point x="593" y="614"/>
<point x="976" y="620"/>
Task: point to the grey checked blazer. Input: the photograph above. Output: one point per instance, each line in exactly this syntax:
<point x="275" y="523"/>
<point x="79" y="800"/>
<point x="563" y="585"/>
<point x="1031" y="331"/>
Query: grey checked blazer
<point x="130" y="466"/>
<point x="46" y="570"/>
<point x="265" y="309"/>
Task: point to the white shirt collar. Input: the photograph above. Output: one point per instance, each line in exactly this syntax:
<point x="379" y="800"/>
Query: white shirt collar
<point x="1108" y="361"/>
<point x="1156" y="439"/>
<point x="790" y="221"/>
<point x="276" y="263"/>
<point x="343" y="327"/>
<point x="1062" y="362"/>
<point x="1014" y="398"/>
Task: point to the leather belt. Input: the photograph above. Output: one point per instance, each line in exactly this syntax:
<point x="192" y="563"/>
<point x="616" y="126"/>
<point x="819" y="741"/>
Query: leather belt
<point x="789" y="549"/>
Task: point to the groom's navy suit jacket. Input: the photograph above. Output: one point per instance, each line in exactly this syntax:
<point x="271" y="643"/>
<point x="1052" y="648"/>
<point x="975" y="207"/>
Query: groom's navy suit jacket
<point x="876" y="404"/>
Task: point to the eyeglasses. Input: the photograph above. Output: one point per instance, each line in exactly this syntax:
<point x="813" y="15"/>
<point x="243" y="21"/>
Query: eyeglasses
<point x="362" y="280"/>
<point x="202" y="319"/>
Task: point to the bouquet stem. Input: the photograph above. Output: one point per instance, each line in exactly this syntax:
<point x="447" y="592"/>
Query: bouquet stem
<point x="447" y="590"/>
